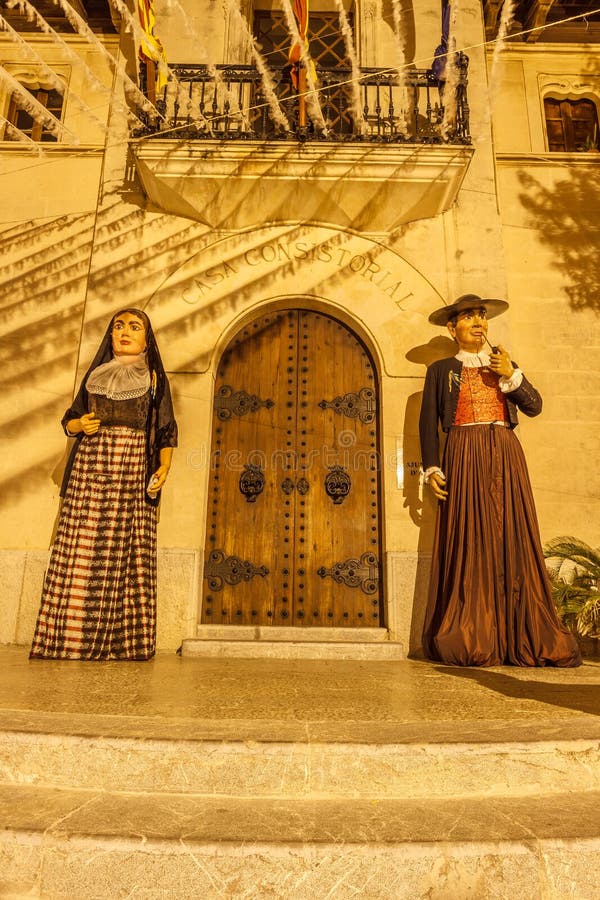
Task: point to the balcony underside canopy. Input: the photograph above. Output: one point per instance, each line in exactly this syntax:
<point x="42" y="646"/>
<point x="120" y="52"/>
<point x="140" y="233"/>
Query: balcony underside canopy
<point x="372" y="188"/>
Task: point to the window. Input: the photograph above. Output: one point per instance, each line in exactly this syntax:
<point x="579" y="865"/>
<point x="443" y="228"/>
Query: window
<point x="571" y="125"/>
<point x="327" y="50"/>
<point x="560" y="9"/>
<point x="24" y="121"/>
<point x="326" y="42"/>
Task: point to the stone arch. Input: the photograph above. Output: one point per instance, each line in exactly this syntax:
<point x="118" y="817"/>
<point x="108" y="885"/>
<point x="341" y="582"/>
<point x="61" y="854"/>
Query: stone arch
<point x="300" y="301"/>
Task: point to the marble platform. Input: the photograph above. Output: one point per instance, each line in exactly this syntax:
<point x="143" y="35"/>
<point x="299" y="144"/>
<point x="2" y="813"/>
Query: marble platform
<point x="251" y="778"/>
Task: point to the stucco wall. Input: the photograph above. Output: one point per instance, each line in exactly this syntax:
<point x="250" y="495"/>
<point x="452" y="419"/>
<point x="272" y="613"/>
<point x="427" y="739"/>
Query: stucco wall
<point x="550" y="208"/>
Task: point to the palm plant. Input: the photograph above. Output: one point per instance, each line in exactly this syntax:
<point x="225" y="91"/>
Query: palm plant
<point x="574" y="570"/>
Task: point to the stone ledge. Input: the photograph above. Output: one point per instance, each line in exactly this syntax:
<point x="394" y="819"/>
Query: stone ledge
<point x="545" y="159"/>
<point x="373" y="188"/>
<point x="58" y="813"/>
<point x="22" y="576"/>
<point x="301" y="635"/>
<point x="275" y="729"/>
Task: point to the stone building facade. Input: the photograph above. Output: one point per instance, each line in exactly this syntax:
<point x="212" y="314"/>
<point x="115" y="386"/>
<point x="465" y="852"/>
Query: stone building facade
<point x="236" y="241"/>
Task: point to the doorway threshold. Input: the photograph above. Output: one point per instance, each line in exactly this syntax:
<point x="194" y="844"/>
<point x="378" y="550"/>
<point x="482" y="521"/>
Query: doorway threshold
<point x="255" y="642"/>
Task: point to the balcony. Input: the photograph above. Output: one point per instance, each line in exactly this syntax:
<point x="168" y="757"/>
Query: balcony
<point x="232" y="150"/>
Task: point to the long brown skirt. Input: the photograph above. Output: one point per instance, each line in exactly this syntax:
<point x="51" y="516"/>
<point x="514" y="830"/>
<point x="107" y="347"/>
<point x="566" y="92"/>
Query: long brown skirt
<point x="99" y="596"/>
<point x="490" y="601"/>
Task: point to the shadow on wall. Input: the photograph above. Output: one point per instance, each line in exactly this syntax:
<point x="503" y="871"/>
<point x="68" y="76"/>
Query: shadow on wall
<point x="418" y="499"/>
<point x="567" y="219"/>
<point x="407" y="20"/>
<point x="46" y="271"/>
<point x="120" y="258"/>
<point x="45" y="268"/>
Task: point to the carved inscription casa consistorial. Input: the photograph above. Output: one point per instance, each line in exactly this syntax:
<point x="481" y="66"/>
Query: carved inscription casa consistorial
<point x="362" y="278"/>
<point x="281" y="252"/>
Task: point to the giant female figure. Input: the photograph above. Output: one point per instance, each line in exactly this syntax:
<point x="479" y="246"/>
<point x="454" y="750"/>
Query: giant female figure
<point x="99" y="595"/>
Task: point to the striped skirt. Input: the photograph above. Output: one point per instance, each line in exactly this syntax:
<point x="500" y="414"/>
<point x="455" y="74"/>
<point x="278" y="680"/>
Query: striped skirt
<point x="490" y="601"/>
<point x="99" y="596"/>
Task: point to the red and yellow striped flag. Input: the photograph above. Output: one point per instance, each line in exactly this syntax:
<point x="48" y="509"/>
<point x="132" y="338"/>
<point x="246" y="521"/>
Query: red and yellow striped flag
<point x="300" y="8"/>
<point x="150" y="46"/>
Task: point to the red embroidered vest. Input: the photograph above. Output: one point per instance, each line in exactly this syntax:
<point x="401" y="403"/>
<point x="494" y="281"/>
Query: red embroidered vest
<point x="479" y="398"/>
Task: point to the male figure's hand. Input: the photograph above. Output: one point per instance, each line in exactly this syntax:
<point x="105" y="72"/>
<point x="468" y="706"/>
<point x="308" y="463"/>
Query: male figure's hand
<point x="437" y="483"/>
<point x="500" y="362"/>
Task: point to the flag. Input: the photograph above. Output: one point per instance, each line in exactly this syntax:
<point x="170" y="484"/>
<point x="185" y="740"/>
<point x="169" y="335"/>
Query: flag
<point x="150" y="46"/>
<point x="440" y="56"/>
<point x="300" y="9"/>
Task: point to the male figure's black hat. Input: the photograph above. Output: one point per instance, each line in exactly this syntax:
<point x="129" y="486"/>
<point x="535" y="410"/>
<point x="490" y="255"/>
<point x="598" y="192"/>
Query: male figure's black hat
<point x="492" y="307"/>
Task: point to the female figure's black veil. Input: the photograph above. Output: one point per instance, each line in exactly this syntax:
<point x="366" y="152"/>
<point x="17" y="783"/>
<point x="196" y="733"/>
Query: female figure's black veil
<point x="161" y="428"/>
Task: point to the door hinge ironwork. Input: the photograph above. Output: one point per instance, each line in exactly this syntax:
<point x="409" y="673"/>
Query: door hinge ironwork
<point x="230" y="403"/>
<point x="361" y="405"/>
<point x="362" y="573"/>
<point x="221" y="570"/>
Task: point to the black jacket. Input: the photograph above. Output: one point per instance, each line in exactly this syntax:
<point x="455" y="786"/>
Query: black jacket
<point x="440" y="399"/>
<point x="161" y="427"/>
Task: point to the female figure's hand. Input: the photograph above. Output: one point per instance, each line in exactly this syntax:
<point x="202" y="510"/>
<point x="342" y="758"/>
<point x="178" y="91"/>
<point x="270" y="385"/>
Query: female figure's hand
<point x="89" y="424"/>
<point x="161" y="473"/>
<point x="157" y="480"/>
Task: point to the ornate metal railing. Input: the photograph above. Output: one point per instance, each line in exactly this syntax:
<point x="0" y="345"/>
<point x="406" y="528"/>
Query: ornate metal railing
<point x="231" y="102"/>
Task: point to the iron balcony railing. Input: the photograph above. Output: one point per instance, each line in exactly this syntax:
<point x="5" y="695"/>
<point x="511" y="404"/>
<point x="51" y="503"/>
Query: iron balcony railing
<point x="232" y="102"/>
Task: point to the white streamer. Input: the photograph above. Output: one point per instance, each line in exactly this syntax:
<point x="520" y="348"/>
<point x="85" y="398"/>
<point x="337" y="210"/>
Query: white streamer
<point x="33" y="15"/>
<point x="34" y="146"/>
<point x="452" y="77"/>
<point x="357" y="111"/>
<point x="277" y="113"/>
<point x="82" y="28"/>
<point x="132" y="24"/>
<point x="400" y="33"/>
<point x="506" y="17"/>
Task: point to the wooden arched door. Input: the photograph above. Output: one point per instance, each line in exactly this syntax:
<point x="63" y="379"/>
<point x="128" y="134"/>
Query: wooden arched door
<point x="293" y="534"/>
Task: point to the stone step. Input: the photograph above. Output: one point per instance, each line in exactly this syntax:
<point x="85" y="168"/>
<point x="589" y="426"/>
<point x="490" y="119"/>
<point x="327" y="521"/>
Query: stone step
<point x="192" y="778"/>
<point x="264" y="649"/>
<point x="276" y="642"/>
<point x="59" y="843"/>
<point x="301" y="767"/>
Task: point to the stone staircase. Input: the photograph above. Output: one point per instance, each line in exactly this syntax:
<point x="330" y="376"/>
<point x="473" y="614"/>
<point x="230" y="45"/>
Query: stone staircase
<point x="98" y="805"/>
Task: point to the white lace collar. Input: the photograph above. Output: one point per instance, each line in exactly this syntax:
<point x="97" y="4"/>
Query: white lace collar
<point x="122" y="378"/>
<point x="473" y="360"/>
